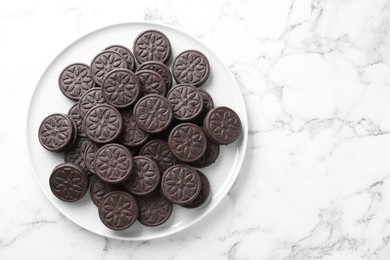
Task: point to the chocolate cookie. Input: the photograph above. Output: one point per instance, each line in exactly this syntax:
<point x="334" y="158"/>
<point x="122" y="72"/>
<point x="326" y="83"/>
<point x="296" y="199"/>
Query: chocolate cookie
<point x="68" y="182"/>
<point x="222" y="125"/>
<point x="90" y="99"/>
<point x="154" y="209"/>
<point x="89" y="156"/>
<point x="75" y="80"/>
<point x="209" y="156"/>
<point x="151" y="82"/>
<point x="121" y="88"/>
<point x="76" y="153"/>
<point x="132" y="134"/>
<point x="187" y="142"/>
<point x="126" y="53"/>
<point x="161" y="69"/>
<point x="191" y="67"/>
<point x="113" y="163"/>
<point x="118" y="210"/>
<point x="57" y="132"/>
<point x="145" y="177"/>
<point x="74" y="114"/>
<point x="153" y="113"/>
<point x="203" y="194"/>
<point x="105" y="62"/>
<point x="208" y="102"/>
<point x="180" y="184"/>
<point x="152" y="45"/>
<point x="159" y="151"/>
<point x="103" y="124"/>
<point x="99" y="189"/>
<point x="186" y="101"/>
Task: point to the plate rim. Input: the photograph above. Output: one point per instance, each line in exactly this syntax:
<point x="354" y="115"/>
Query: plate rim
<point x="243" y="145"/>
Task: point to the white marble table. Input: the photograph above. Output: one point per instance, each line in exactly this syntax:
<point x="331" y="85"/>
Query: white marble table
<point x="315" y="76"/>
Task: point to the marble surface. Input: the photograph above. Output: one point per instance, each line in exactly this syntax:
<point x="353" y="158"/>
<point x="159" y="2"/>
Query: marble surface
<point x="315" y="76"/>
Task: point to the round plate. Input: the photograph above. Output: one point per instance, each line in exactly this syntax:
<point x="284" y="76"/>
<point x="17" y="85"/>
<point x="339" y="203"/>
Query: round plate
<point x="48" y="99"/>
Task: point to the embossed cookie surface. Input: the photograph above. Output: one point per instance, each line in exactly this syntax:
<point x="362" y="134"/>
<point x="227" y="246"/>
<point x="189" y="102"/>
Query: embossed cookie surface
<point x="159" y="151"/>
<point x="209" y="156"/>
<point x="103" y="124"/>
<point x="152" y="45"/>
<point x="57" y="132"/>
<point x="121" y="88"/>
<point x="75" y="154"/>
<point x="132" y="134"/>
<point x="90" y="99"/>
<point x="75" y="80"/>
<point x="89" y="156"/>
<point x="154" y="209"/>
<point x="187" y="142"/>
<point x="118" y="210"/>
<point x="161" y="69"/>
<point x="186" y="101"/>
<point x="153" y="113"/>
<point x="145" y="177"/>
<point x="105" y="62"/>
<point x="191" y="67"/>
<point x="126" y="53"/>
<point x="113" y="163"/>
<point x="99" y="189"/>
<point x="208" y="102"/>
<point x="222" y="125"/>
<point x="74" y="114"/>
<point x="180" y="184"/>
<point x="151" y="82"/>
<point x="203" y="194"/>
<point x="68" y="182"/>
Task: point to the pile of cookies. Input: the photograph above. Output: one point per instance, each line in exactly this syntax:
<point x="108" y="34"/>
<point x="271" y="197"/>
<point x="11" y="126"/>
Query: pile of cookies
<point x="135" y="135"/>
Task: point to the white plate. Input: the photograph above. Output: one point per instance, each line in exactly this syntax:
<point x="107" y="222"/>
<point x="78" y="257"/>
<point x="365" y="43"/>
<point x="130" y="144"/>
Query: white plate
<point x="48" y="99"/>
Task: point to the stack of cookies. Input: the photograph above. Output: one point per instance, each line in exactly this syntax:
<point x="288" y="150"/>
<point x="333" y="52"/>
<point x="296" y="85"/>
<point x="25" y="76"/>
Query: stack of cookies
<point x="139" y="131"/>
